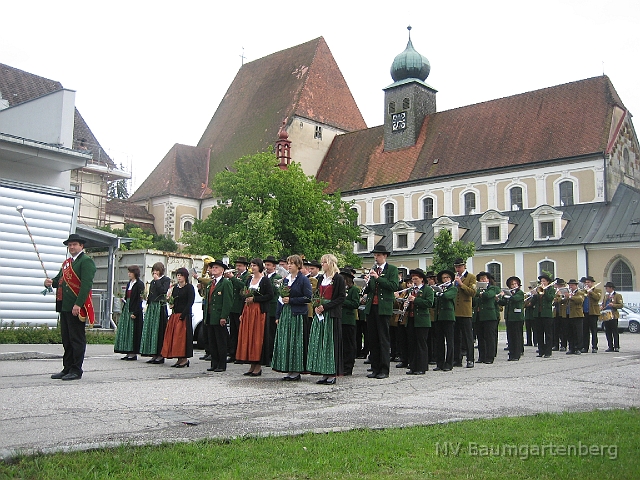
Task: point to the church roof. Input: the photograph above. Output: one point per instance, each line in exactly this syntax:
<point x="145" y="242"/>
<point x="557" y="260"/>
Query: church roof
<point x="303" y="80"/>
<point x="180" y="173"/>
<point x="564" y="121"/>
<point x="18" y="86"/>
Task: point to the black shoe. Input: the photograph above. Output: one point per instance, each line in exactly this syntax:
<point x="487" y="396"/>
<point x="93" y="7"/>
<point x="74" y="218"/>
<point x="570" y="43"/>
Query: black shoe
<point x="292" y="379"/>
<point x="402" y="365"/>
<point x="616" y="349"/>
<point x="480" y="360"/>
<point x="470" y="364"/>
<point x="150" y="360"/>
<point x="607" y="350"/>
<point x="230" y="359"/>
<point x="159" y="361"/>
<point x="437" y="369"/>
<point x="322" y="381"/>
<point x="380" y="376"/>
<point x="488" y="362"/>
<point x="59" y="375"/>
<point x="433" y="363"/>
<point x="72" y="376"/>
<point x="446" y="369"/>
<point x="419" y="372"/>
<point x="255" y="374"/>
<point x="330" y="381"/>
<point x="206" y="358"/>
<point x="369" y="369"/>
<point x="563" y="349"/>
<point x="457" y="364"/>
<point x="594" y="350"/>
<point x="569" y="352"/>
<point x="182" y="365"/>
<point x="547" y="355"/>
<point x="135" y="357"/>
<point x="513" y="359"/>
<point x="248" y="374"/>
<point x="372" y="375"/>
<point x="584" y="350"/>
<point x="555" y="349"/>
<point x="539" y="355"/>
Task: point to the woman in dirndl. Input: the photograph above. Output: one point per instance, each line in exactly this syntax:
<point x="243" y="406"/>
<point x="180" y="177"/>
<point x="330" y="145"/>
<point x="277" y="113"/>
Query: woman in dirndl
<point x="129" y="332"/>
<point x="325" y="339"/>
<point x="251" y="334"/>
<point x="178" y="337"/>
<point x="288" y="350"/>
<point x="155" y="317"/>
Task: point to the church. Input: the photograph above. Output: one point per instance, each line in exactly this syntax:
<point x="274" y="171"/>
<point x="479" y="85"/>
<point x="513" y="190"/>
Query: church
<point x="541" y="181"/>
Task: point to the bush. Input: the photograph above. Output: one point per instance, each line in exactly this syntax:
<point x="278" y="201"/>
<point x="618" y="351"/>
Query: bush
<point x="27" y="334"/>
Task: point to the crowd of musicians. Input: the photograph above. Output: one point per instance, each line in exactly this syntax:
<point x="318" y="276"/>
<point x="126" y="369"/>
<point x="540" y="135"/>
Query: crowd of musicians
<point x="297" y="316"/>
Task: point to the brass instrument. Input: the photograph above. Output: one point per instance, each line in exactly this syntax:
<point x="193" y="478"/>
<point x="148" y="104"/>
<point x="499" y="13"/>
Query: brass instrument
<point x="441" y="287"/>
<point x="589" y="289"/>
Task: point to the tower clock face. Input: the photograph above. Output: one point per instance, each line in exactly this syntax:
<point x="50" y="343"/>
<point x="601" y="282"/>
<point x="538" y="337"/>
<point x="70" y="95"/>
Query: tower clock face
<point x="398" y="121"/>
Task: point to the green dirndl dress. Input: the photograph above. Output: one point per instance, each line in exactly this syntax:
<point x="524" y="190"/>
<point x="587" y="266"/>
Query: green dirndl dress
<point x="321" y="357"/>
<point x="151" y="329"/>
<point x="124" y="334"/>
<point x="288" y="352"/>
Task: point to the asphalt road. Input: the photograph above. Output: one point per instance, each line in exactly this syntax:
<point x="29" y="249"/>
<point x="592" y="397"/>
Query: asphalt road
<point x="137" y="403"/>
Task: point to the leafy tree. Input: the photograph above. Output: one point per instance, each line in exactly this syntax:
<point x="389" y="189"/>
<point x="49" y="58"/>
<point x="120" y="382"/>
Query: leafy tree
<point x="141" y="239"/>
<point x="263" y="210"/>
<point x="445" y="251"/>
<point x="118" y="188"/>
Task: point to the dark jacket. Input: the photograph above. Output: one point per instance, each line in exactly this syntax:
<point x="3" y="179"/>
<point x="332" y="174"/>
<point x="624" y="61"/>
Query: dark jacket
<point x="218" y="302"/>
<point x="135" y="299"/>
<point x="421" y="306"/>
<point x="299" y="295"/>
<point x="513" y="306"/>
<point x="387" y="284"/>
<point x="350" y="306"/>
<point x="338" y="294"/>
<point x="265" y="293"/>
<point x="158" y="289"/>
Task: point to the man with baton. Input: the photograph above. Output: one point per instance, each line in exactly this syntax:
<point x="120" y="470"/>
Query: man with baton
<point x="73" y="301"/>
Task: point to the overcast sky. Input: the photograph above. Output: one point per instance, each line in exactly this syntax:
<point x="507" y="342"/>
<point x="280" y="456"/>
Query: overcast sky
<point x="148" y="75"/>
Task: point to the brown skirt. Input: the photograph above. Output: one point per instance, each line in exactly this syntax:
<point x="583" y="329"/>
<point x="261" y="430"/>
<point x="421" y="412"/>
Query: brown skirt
<point x="251" y="334"/>
<point x="175" y="338"/>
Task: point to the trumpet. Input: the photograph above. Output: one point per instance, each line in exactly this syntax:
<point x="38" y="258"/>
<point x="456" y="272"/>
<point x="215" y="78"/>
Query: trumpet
<point x="589" y="289"/>
<point x="441" y="287"/>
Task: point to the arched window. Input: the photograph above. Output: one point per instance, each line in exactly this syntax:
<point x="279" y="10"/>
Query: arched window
<point x="622" y="277"/>
<point x="566" y="194"/>
<point x="427" y="207"/>
<point x="355" y="220"/>
<point x="469" y="203"/>
<point x="187" y="226"/>
<point x="389" y="213"/>
<point x="495" y="269"/>
<point x="516" y="198"/>
<point x="547" y="267"/>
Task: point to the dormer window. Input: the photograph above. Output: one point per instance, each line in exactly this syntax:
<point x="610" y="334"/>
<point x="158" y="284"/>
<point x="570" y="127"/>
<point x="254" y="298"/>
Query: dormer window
<point x="367" y="240"/>
<point x="404" y="236"/>
<point x="547" y="223"/>
<point x="448" y="224"/>
<point x="495" y="228"/>
<point x="318" y="133"/>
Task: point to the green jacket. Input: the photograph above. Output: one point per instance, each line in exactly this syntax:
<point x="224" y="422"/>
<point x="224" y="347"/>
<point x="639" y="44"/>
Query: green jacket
<point x="218" y="305"/>
<point x="487" y="303"/>
<point x="445" y="305"/>
<point x="421" y="306"/>
<point x="85" y="269"/>
<point x="543" y="303"/>
<point x="350" y="306"/>
<point x="514" y="310"/>
<point x="238" y="284"/>
<point x="387" y="284"/>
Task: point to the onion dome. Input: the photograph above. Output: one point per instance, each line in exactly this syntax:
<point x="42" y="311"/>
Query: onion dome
<point x="410" y="64"/>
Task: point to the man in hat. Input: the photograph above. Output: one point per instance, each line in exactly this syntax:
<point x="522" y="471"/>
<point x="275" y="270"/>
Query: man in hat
<point x="465" y="282"/>
<point x="219" y="301"/>
<point x="591" y="309"/>
<point x="239" y="282"/>
<point x="382" y="282"/>
<point x="270" y="264"/>
<point x="560" y="326"/>
<point x="611" y="302"/>
<point x="572" y="310"/>
<point x="73" y="301"/>
<point x="418" y="320"/>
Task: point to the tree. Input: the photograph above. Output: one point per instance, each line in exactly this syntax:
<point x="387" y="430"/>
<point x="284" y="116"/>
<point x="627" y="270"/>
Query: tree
<point x="263" y="210"/>
<point x="118" y="188"/>
<point x="445" y="251"/>
<point x="142" y="239"/>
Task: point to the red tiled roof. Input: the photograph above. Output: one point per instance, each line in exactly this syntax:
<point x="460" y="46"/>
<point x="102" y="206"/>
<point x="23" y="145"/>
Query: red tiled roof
<point x="127" y="210"/>
<point x="303" y="80"/>
<point x="182" y="172"/>
<point x="559" y="122"/>
<point x="18" y="86"/>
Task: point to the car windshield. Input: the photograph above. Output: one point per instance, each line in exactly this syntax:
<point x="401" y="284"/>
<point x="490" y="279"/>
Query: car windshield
<point x="633" y="309"/>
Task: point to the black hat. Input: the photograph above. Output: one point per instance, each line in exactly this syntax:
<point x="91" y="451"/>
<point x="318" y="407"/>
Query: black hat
<point x="346" y="271"/>
<point x="484" y="274"/>
<point x="459" y="261"/>
<point x="560" y="281"/>
<point x="219" y="263"/>
<point x="242" y="260"/>
<point x="610" y="285"/>
<point x="74" y="237"/>
<point x="305" y="262"/>
<point x="514" y="278"/>
<point x="572" y="282"/>
<point x="419" y="272"/>
<point x="271" y="259"/>
<point x="315" y="263"/>
<point x="431" y="274"/>
<point x="380" y="249"/>
<point x="582" y="279"/>
<point x="545" y="276"/>
<point x="350" y="268"/>
<point x="590" y="278"/>
<point x="282" y="260"/>
<point x="449" y="272"/>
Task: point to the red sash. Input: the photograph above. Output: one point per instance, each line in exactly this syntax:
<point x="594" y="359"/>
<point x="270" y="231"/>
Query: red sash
<point x="71" y="278"/>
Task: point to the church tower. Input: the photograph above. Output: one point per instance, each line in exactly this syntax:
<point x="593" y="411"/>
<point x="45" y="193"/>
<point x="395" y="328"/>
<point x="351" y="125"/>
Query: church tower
<point x="408" y="100"/>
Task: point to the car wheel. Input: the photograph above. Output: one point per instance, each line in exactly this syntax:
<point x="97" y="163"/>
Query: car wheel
<point x="634" y="326"/>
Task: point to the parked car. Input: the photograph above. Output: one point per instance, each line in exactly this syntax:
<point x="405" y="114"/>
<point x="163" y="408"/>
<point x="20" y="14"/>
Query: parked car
<point x="198" y="326"/>
<point x="629" y="320"/>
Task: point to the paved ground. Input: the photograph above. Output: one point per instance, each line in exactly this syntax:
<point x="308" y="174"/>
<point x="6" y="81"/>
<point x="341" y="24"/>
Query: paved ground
<point x="134" y="402"/>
